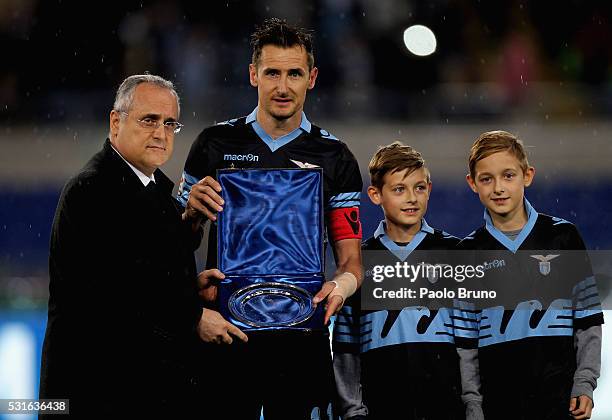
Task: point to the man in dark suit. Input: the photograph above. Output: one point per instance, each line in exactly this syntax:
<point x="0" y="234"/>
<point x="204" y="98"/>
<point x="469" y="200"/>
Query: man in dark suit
<point x="124" y="312"/>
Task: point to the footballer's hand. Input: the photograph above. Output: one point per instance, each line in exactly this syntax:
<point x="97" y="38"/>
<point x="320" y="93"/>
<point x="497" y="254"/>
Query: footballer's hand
<point x="213" y="328"/>
<point x="208" y="284"/>
<point x="336" y="292"/>
<point x="333" y="304"/>
<point x="581" y="407"/>
<point x="204" y="200"/>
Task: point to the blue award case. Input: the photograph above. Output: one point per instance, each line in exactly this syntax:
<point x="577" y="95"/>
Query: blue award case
<point x="270" y="248"/>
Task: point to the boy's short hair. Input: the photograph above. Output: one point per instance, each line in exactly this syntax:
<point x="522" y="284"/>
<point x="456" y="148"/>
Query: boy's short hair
<point x="278" y="32"/>
<point x="392" y="158"/>
<point x="493" y="142"/>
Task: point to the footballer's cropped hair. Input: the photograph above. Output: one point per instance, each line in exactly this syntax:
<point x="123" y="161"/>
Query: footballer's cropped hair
<point x="493" y="142"/>
<point x="392" y="158"/>
<point x="278" y="32"/>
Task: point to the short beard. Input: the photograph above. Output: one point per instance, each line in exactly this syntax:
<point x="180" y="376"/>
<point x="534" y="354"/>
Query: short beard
<point x="282" y="118"/>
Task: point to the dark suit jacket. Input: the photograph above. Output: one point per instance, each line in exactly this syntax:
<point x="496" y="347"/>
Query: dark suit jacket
<point x="123" y="306"/>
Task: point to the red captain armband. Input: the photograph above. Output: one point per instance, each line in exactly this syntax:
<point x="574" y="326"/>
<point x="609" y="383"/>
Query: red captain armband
<point x="344" y="223"/>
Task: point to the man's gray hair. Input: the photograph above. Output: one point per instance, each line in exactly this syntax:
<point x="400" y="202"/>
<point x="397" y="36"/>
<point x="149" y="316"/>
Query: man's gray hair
<point x="125" y="93"/>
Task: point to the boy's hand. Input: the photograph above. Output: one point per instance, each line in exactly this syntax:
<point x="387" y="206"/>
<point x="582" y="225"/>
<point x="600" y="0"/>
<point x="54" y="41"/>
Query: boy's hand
<point x="581" y="407"/>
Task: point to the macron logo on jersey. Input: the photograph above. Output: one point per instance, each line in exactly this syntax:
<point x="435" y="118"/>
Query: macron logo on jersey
<point x="249" y="158"/>
<point x="304" y="165"/>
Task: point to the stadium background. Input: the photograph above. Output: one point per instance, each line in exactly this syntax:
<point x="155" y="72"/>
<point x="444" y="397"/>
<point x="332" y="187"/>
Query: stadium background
<point x="542" y="70"/>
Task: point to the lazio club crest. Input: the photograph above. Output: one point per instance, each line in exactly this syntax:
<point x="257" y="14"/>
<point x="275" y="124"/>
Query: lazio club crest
<point x="544" y="262"/>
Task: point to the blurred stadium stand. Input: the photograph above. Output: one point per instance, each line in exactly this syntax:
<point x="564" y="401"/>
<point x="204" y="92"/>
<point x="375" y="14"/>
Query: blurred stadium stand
<point x="540" y="71"/>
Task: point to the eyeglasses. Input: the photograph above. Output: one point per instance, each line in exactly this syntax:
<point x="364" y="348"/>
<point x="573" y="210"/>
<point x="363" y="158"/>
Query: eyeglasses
<point x="153" y="124"/>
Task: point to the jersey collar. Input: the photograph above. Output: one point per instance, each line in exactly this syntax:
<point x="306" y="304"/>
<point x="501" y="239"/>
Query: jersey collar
<point x="513" y="245"/>
<point x="401" y="252"/>
<point x="275" y="144"/>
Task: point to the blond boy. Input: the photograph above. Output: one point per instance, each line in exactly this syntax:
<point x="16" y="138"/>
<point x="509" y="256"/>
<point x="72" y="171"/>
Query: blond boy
<point x="539" y="357"/>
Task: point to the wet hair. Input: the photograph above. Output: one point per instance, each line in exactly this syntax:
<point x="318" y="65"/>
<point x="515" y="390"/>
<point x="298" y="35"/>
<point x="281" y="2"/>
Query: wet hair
<point x="278" y="32"/>
<point x="393" y="158"/>
<point x="493" y="142"/>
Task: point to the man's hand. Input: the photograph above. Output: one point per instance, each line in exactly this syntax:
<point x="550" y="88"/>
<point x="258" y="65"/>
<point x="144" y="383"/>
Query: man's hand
<point x="581" y="407"/>
<point x="204" y="200"/>
<point x="336" y="292"/>
<point x="333" y="304"/>
<point x="213" y="328"/>
<point x="208" y="284"/>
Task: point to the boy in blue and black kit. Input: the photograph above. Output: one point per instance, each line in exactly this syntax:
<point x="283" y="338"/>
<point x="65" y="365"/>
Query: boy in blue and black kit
<point x="539" y="352"/>
<point x="392" y="364"/>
